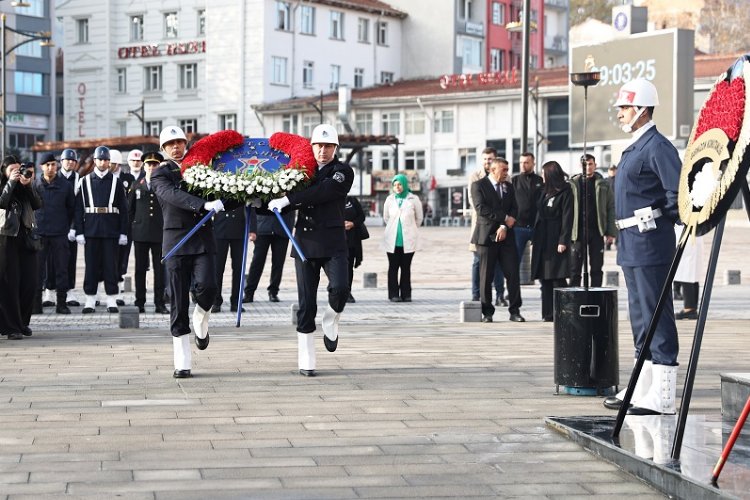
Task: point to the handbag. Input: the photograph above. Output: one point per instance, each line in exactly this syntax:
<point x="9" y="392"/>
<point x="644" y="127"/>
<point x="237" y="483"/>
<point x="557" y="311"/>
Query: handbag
<point x="31" y="240"/>
<point x="363" y="232"/>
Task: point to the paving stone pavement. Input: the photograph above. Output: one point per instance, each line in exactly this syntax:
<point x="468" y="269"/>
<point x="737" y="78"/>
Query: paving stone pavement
<point x="413" y="404"/>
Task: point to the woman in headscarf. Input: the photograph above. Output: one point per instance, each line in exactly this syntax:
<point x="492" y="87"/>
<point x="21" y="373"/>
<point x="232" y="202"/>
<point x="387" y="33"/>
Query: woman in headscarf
<point x="18" y="247"/>
<point x="402" y="214"/>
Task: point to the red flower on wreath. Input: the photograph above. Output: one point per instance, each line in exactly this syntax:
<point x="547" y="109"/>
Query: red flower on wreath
<point x="299" y="150"/>
<point x="724" y="109"/>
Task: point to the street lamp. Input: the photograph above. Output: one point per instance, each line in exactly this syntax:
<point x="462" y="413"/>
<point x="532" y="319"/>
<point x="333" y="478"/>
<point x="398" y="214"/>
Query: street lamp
<point x="140" y="113"/>
<point x="45" y="38"/>
<point x="524" y="26"/>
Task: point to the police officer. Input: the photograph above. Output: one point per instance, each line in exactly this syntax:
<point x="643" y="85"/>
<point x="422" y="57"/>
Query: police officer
<point x="53" y="224"/>
<point x="195" y="262"/>
<point x="127" y="180"/>
<point x="135" y="164"/>
<point x="266" y="232"/>
<point x="101" y="220"/>
<point x="69" y="172"/>
<point x="321" y="235"/>
<point x="646" y="210"/>
<point x="144" y="213"/>
<point x="229" y="230"/>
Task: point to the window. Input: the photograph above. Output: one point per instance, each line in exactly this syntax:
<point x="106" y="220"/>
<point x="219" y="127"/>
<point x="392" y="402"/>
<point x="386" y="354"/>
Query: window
<point x="228" y="121"/>
<point x="389" y="124"/>
<point x="496" y="60"/>
<point x="34" y="9"/>
<point x="359" y="78"/>
<point x="309" y="122"/>
<point x="498" y="13"/>
<point x="82" y="30"/>
<point x="335" y="76"/>
<point x="189" y="125"/>
<point x="363" y="30"/>
<point x="382" y="33"/>
<point x="170" y="25"/>
<point x="122" y="128"/>
<point x="152" y="78"/>
<point x="472" y="52"/>
<point x="443" y="121"/>
<point x="533" y="61"/>
<point x="136" y="28"/>
<point x="289" y="124"/>
<point x="33" y="49"/>
<point x="188" y="76"/>
<point x="153" y="127"/>
<point x="29" y="83"/>
<point x="279" y="70"/>
<point x="467" y="159"/>
<point x="202" y="22"/>
<point x="387" y="161"/>
<point x="465" y="9"/>
<point x="363" y="123"/>
<point x="414" y="122"/>
<point x="122" y="80"/>
<point x="386" y="77"/>
<point x="24" y="142"/>
<point x="283" y="16"/>
<point x="414" y="160"/>
<point x="557" y="124"/>
<point x="307" y="20"/>
<point x="307" y="74"/>
<point x="337" y="25"/>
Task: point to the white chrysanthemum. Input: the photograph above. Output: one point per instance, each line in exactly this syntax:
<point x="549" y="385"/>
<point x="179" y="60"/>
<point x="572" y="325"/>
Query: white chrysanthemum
<point x="705" y="183"/>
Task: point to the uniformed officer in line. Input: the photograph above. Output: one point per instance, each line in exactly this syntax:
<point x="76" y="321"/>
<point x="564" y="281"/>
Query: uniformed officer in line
<point x="267" y="232"/>
<point x="101" y="220"/>
<point x="144" y="213"/>
<point x="229" y="231"/>
<point x="53" y="222"/>
<point x="127" y="180"/>
<point x="136" y="164"/>
<point x="321" y="235"/>
<point x="69" y="171"/>
<point x="194" y="264"/>
<point x="646" y="189"/>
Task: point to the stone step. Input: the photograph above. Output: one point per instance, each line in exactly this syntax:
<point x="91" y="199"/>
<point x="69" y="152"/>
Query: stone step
<point x="735" y="389"/>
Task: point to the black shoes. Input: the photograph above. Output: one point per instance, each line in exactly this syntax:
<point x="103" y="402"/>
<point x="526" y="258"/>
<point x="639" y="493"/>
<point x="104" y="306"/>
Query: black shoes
<point x="637" y="410"/>
<point x="141" y="309"/>
<point x="686" y="314"/>
<point x="331" y="345"/>
<point x="182" y="374"/>
<point x="501" y="302"/>
<point x="395" y="299"/>
<point x="273" y="297"/>
<point x="62" y="309"/>
<point x="26" y="331"/>
<point x="15" y="336"/>
<point x="486" y="319"/>
<point x="547" y="319"/>
<point x="234" y="309"/>
<point x="48" y="303"/>
<point x="406" y="299"/>
<point x="307" y="373"/>
<point x="119" y="302"/>
<point x="73" y="303"/>
<point x="88" y="310"/>
<point x="216" y="308"/>
<point x="612" y="403"/>
<point x="475" y="298"/>
<point x="350" y="299"/>
<point x="517" y="318"/>
<point x="200" y="343"/>
<point x="161" y="309"/>
<point x="247" y="298"/>
<point x="113" y="310"/>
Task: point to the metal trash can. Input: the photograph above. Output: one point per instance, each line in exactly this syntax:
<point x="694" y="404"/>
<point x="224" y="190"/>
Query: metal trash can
<point x="586" y="344"/>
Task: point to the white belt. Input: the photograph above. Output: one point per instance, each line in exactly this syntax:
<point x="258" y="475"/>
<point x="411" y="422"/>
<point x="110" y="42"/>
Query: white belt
<point x="633" y="221"/>
<point x="102" y="210"/>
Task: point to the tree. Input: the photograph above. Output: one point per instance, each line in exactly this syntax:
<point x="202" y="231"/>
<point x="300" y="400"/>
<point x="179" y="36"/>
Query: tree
<point x="601" y="10"/>
<point x="724" y="21"/>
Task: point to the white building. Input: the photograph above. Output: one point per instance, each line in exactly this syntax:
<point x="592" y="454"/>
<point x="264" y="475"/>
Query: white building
<point x="205" y="64"/>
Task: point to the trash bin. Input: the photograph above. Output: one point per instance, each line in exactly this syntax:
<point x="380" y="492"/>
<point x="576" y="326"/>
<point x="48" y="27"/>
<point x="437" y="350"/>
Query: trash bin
<point x="586" y="344"/>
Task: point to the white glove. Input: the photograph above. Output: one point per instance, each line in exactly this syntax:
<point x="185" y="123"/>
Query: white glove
<point x="278" y="204"/>
<point x="81" y="239"/>
<point x="216" y="205"/>
<point x="123" y="240"/>
<point x="72" y="235"/>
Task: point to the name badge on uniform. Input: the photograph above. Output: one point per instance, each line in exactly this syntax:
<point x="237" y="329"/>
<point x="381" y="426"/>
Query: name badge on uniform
<point x="137" y="195"/>
<point x="338" y="177"/>
<point x="550" y="201"/>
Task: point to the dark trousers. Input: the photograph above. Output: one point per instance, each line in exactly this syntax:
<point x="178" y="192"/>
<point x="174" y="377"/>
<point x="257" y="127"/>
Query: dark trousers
<point x="596" y="260"/>
<point x="689" y="295"/>
<point x="53" y="263"/>
<point x="101" y="264"/>
<point x="18" y="284"/>
<point x="142" y="250"/>
<point x="223" y="249"/>
<point x="308" y="279"/>
<point x="123" y="256"/>
<point x="644" y="287"/>
<point x="399" y="286"/>
<point x="278" y="246"/>
<point x="505" y="255"/>
<point x="72" y="262"/>
<point x="350" y="267"/>
<point x="184" y="272"/>
<point x="548" y="287"/>
<point x="499" y="280"/>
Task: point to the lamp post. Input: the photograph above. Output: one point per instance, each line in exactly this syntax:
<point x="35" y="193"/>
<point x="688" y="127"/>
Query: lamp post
<point x="140" y="113"/>
<point x="525" y="27"/>
<point x="46" y="41"/>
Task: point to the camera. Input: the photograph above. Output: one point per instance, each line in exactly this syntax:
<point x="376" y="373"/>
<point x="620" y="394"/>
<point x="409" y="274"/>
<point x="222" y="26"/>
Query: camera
<point x="26" y="170"/>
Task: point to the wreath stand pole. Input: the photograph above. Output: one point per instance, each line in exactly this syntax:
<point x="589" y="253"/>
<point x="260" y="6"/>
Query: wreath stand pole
<point x="289" y="235"/>
<point x="241" y="291"/>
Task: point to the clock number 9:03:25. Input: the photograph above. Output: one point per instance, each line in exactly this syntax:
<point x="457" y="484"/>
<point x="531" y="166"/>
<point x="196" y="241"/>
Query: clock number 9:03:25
<point x="621" y="73"/>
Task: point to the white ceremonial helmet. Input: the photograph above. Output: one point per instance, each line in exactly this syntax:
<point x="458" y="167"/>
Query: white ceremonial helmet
<point x="324" y="134"/>
<point x="135" y="155"/>
<point x="171" y="133"/>
<point x="639" y="92"/>
<point x="115" y="157"/>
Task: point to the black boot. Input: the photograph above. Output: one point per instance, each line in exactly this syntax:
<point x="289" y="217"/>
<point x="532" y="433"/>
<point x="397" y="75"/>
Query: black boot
<point x="36" y="307"/>
<point x="62" y="306"/>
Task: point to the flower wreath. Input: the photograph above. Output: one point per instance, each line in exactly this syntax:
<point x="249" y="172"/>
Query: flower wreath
<point x="255" y="185"/>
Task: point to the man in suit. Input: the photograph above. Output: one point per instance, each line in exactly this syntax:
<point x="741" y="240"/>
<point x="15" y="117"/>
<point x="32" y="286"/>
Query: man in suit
<point x="645" y="210"/>
<point x="194" y="264"/>
<point x="321" y="234"/>
<point x="493" y="236"/>
<point x="146" y="223"/>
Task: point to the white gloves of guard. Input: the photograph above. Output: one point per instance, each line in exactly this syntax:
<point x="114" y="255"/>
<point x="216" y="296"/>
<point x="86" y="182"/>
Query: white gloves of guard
<point x="215" y="205"/>
<point x="81" y="239"/>
<point x="123" y="240"/>
<point x="72" y="235"/>
<point x="278" y="204"/>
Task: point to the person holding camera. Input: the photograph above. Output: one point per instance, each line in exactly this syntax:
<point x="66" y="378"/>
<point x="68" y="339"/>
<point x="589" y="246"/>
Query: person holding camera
<point x="18" y="247"/>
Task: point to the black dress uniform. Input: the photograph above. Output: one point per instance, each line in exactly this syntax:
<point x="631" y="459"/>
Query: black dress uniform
<point x="101" y="216"/>
<point x="128" y="181"/>
<point x="268" y="234"/>
<point x="146" y="223"/>
<point x="229" y="231"/>
<point x="74" y="180"/>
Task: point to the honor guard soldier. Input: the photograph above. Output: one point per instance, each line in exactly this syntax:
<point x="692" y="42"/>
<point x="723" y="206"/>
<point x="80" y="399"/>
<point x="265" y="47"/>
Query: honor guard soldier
<point x="229" y="231"/>
<point x="646" y="189"/>
<point x="321" y="235"/>
<point x="136" y="164"/>
<point x="101" y="220"/>
<point x="127" y="180"/>
<point x="144" y="213"/>
<point x="53" y="225"/>
<point x="194" y="264"/>
<point x="69" y="171"/>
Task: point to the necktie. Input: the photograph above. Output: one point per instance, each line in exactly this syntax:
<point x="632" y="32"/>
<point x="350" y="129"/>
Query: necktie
<point x="499" y="189"/>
